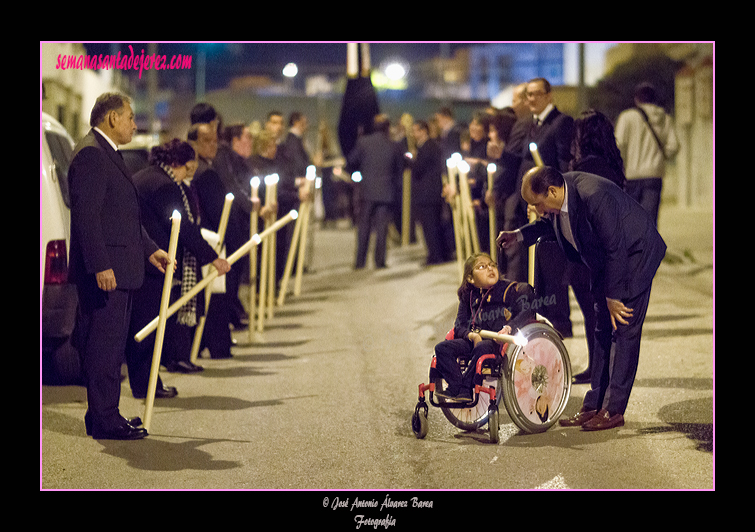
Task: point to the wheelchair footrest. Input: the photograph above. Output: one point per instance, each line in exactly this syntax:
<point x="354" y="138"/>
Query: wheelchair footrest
<point x="485" y="389"/>
<point x="425" y="387"/>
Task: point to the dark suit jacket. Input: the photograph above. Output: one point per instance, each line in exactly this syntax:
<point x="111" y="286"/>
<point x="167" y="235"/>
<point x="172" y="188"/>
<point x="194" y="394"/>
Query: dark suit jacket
<point x="553" y="138"/>
<point x="106" y="227"/>
<point x="294" y="155"/>
<point x="427" y="175"/>
<point x="381" y="164"/>
<point x="159" y="196"/>
<point x="616" y="238"/>
<point x="508" y="164"/>
<point x="210" y="193"/>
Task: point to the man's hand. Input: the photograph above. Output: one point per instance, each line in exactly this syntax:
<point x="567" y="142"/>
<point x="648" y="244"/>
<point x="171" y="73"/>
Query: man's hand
<point x="160" y="260"/>
<point x="106" y="280"/>
<point x="506" y="239"/>
<point x="221" y="265"/>
<point x="618" y="312"/>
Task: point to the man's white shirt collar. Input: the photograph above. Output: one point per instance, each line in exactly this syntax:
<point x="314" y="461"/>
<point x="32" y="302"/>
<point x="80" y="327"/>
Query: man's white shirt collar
<point x="110" y="141"/>
<point x="541" y="117"/>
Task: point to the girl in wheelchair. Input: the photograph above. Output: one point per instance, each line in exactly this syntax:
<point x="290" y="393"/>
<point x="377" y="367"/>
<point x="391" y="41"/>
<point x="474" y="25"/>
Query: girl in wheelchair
<point x="486" y="301"/>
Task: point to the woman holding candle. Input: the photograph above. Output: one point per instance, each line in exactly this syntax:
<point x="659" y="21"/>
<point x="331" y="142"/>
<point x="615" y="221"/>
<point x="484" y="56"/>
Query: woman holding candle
<point x="162" y="190"/>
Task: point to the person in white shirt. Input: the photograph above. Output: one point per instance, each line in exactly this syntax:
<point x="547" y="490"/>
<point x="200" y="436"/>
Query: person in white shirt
<point x="646" y="138"/>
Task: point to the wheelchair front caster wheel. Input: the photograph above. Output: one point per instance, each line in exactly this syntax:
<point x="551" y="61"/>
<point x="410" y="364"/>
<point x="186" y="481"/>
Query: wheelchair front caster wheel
<point x="493" y="425"/>
<point x="419" y="421"/>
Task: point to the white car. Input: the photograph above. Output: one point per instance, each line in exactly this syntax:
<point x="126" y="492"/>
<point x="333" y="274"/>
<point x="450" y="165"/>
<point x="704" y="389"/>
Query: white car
<point x="58" y="299"/>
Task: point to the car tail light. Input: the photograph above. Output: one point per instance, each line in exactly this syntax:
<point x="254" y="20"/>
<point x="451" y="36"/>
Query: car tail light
<point x="56" y="262"/>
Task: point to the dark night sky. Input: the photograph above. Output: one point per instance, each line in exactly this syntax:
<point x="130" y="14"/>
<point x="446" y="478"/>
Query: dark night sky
<point x="226" y="60"/>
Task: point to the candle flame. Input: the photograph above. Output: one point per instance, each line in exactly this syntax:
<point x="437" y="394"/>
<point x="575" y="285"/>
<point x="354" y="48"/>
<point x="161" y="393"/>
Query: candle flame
<point x="255" y="181"/>
<point x="176" y="215"/>
<point x="229" y="196"/>
<point x="463" y="167"/>
<point x="491" y="167"/>
<point x="294" y="214"/>
<point x="519" y="339"/>
<point x="271" y="179"/>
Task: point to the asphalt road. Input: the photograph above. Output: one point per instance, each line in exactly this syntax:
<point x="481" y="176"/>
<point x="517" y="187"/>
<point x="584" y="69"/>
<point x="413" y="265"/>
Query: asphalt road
<point x="322" y="399"/>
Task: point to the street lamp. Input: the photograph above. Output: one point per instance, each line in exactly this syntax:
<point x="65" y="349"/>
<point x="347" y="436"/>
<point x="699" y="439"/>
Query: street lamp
<point x="395" y="71"/>
<point x="290" y="70"/>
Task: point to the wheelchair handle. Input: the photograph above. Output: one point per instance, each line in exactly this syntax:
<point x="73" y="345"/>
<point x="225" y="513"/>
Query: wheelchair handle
<point x="517" y="339"/>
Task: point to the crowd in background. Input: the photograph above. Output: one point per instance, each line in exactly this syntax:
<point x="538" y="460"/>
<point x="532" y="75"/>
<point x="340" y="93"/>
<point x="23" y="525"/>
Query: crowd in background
<point x="365" y="187"/>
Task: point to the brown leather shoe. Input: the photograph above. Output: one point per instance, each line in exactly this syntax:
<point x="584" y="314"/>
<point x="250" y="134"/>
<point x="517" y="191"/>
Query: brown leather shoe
<point x="604" y="420"/>
<point x="581" y="417"/>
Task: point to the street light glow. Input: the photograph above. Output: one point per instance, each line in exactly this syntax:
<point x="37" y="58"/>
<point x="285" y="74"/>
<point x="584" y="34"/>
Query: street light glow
<point x="290" y="70"/>
<point x="395" y="71"/>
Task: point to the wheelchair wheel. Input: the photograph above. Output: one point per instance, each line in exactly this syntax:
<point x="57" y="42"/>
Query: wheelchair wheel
<point x="537" y="379"/>
<point x="493" y="425"/>
<point x="419" y="421"/>
<point x="471" y="418"/>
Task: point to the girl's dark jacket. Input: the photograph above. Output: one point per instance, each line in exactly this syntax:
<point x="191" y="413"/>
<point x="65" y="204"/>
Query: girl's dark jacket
<point x="505" y="303"/>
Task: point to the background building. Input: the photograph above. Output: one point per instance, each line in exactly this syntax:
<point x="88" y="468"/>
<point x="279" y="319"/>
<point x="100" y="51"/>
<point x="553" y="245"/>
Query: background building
<point x="467" y="77"/>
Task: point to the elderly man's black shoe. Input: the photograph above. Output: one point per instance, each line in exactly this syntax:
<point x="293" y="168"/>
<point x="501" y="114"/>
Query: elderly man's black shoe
<point x="134" y="422"/>
<point x="124" y="432"/>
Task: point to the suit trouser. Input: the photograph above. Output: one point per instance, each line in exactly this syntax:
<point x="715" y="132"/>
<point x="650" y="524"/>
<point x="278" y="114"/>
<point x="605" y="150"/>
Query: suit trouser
<point x="551" y="280"/>
<point x="428" y="216"/>
<point x="373" y="216"/>
<point x="101" y="329"/>
<point x="616" y="355"/>
<point x="448" y="351"/>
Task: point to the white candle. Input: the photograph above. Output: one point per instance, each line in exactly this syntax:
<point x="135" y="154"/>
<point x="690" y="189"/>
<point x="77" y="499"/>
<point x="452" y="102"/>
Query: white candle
<point x="271" y="195"/>
<point x="255" y="183"/>
<point x="224" y="219"/>
<point x="536" y="154"/>
<point x="451" y="165"/>
<point x="161" y="320"/>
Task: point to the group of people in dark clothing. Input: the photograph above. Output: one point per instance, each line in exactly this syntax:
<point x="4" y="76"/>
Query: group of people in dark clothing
<point x="121" y="227"/>
<point x="194" y="175"/>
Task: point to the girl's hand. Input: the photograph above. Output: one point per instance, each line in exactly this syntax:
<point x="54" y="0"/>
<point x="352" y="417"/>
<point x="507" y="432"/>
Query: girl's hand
<point x="506" y="330"/>
<point x="474" y="337"/>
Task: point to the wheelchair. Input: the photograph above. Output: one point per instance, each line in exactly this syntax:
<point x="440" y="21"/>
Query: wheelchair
<point x="532" y="380"/>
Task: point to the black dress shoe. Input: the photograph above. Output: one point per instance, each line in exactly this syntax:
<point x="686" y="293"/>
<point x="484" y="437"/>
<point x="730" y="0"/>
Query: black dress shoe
<point x="134" y="422"/>
<point x="581" y="378"/>
<point x="161" y="392"/>
<point x="184" y="367"/>
<point x="125" y="432"/>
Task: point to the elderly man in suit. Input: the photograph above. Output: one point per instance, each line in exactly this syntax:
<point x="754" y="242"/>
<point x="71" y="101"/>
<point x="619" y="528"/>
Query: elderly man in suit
<point x="596" y="222"/>
<point x="107" y="260"/>
<point x="381" y="164"/>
